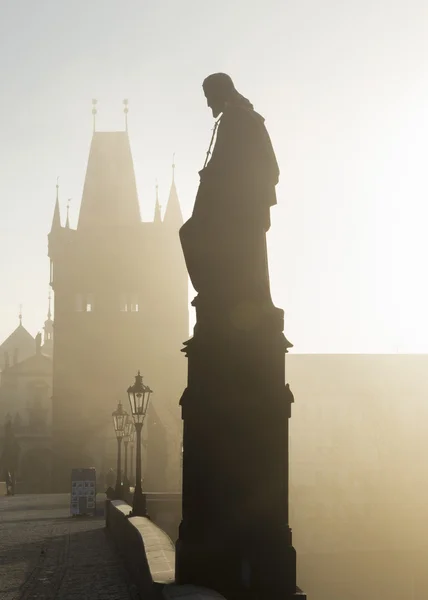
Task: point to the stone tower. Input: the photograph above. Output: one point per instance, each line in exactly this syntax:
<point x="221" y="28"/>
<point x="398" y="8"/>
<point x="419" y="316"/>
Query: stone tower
<point x="120" y="304"/>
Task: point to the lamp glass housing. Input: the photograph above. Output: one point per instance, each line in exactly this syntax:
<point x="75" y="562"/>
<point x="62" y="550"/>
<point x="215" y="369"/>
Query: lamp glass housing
<point x="139" y="398"/>
<point x="119" y="419"/>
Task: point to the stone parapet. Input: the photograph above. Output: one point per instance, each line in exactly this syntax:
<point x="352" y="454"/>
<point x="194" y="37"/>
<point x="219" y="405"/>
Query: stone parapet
<point x="149" y="555"/>
<point x="147" y="551"/>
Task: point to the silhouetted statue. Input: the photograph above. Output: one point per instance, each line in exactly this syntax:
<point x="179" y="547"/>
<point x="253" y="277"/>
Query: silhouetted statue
<point x="110" y="478"/>
<point x="224" y="242"/>
<point x="234" y="535"/>
<point x="9" y="458"/>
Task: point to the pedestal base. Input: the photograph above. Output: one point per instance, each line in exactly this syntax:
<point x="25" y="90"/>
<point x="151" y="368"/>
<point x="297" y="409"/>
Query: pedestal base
<point x="237" y="574"/>
<point x="234" y="536"/>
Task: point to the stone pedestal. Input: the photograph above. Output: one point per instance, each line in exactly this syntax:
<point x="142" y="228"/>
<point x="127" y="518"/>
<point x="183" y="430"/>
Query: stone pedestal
<point x="234" y="536"/>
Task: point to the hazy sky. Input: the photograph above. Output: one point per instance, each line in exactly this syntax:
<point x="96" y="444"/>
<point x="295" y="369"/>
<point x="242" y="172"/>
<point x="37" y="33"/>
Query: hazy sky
<point x="344" y="88"/>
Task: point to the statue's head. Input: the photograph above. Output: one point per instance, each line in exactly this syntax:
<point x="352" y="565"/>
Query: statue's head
<point x="218" y="89"/>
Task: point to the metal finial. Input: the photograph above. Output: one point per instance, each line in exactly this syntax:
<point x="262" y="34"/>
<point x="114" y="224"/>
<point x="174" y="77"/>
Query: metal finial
<point x="67" y="223"/>
<point x="57" y="187"/>
<point x="126" y="111"/>
<point x="20" y="314"/>
<point x="94" y="112"/>
<point x="173" y="167"/>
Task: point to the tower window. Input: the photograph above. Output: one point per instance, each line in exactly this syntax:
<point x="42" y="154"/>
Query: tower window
<point x="129" y="303"/>
<point x="89" y="306"/>
<point x="84" y="302"/>
<point x="134" y="304"/>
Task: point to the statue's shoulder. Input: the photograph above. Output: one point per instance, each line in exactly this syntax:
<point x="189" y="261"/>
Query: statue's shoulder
<point x="240" y="119"/>
<point x="238" y="111"/>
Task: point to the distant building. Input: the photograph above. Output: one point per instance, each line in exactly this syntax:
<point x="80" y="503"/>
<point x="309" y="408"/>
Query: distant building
<point x="25" y="401"/>
<point x="18" y="346"/>
<point x="357" y="447"/>
<point x="120" y="305"/>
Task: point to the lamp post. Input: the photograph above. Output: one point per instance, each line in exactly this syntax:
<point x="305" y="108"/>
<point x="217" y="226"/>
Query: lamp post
<point x="119" y="419"/>
<point x="128" y="428"/>
<point x="132" y="442"/>
<point x="139" y="398"/>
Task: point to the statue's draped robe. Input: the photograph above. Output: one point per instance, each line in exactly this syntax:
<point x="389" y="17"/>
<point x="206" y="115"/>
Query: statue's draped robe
<point x="224" y="242"/>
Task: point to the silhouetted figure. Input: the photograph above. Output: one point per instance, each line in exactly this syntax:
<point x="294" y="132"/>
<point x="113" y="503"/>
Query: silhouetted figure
<point x="234" y="535"/>
<point x="10" y="455"/>
<point x="110" y="478"/>
<point x="111" y="493"/>
<point x="224" y="242"/>
<point x="110" y="481"/>
<point x="9" y="484"/>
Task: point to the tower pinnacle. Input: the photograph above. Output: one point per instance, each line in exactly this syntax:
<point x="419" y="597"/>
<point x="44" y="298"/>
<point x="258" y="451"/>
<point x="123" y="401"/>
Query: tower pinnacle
<point x="67" y="222"/>
<point x="158" y="218"/>
<point x="20" y="314"/>
<point x="173" y="214"/>
<point x="56" y="221"/>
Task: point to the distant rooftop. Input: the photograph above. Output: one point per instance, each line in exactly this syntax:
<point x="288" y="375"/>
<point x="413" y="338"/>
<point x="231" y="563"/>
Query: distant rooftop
<point x="20" y="342"/>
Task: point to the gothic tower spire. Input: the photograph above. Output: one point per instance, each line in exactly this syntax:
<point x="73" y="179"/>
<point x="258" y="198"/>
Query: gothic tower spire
<point x="157" y="218"/>
<point x="67" y="222"/>
<point x="110" y="196"/>
<point x="56" y="221"/>
<point x="173" y="215"/>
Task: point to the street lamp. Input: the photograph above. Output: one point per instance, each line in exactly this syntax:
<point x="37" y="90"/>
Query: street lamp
<point x="132" y="443"/>
<point x="129" y="425"/>
<point x="119" y="420"/>
<point x="139" y="398"/>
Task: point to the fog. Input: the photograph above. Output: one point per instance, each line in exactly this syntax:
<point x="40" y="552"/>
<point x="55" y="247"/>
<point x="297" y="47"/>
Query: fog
<point x="343" y="89"/>
<point x="358" y="484"/>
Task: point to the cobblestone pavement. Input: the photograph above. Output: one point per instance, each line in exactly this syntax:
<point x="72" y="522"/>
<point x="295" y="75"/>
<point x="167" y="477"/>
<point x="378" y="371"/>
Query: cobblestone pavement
<point x="46" y="554"/>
